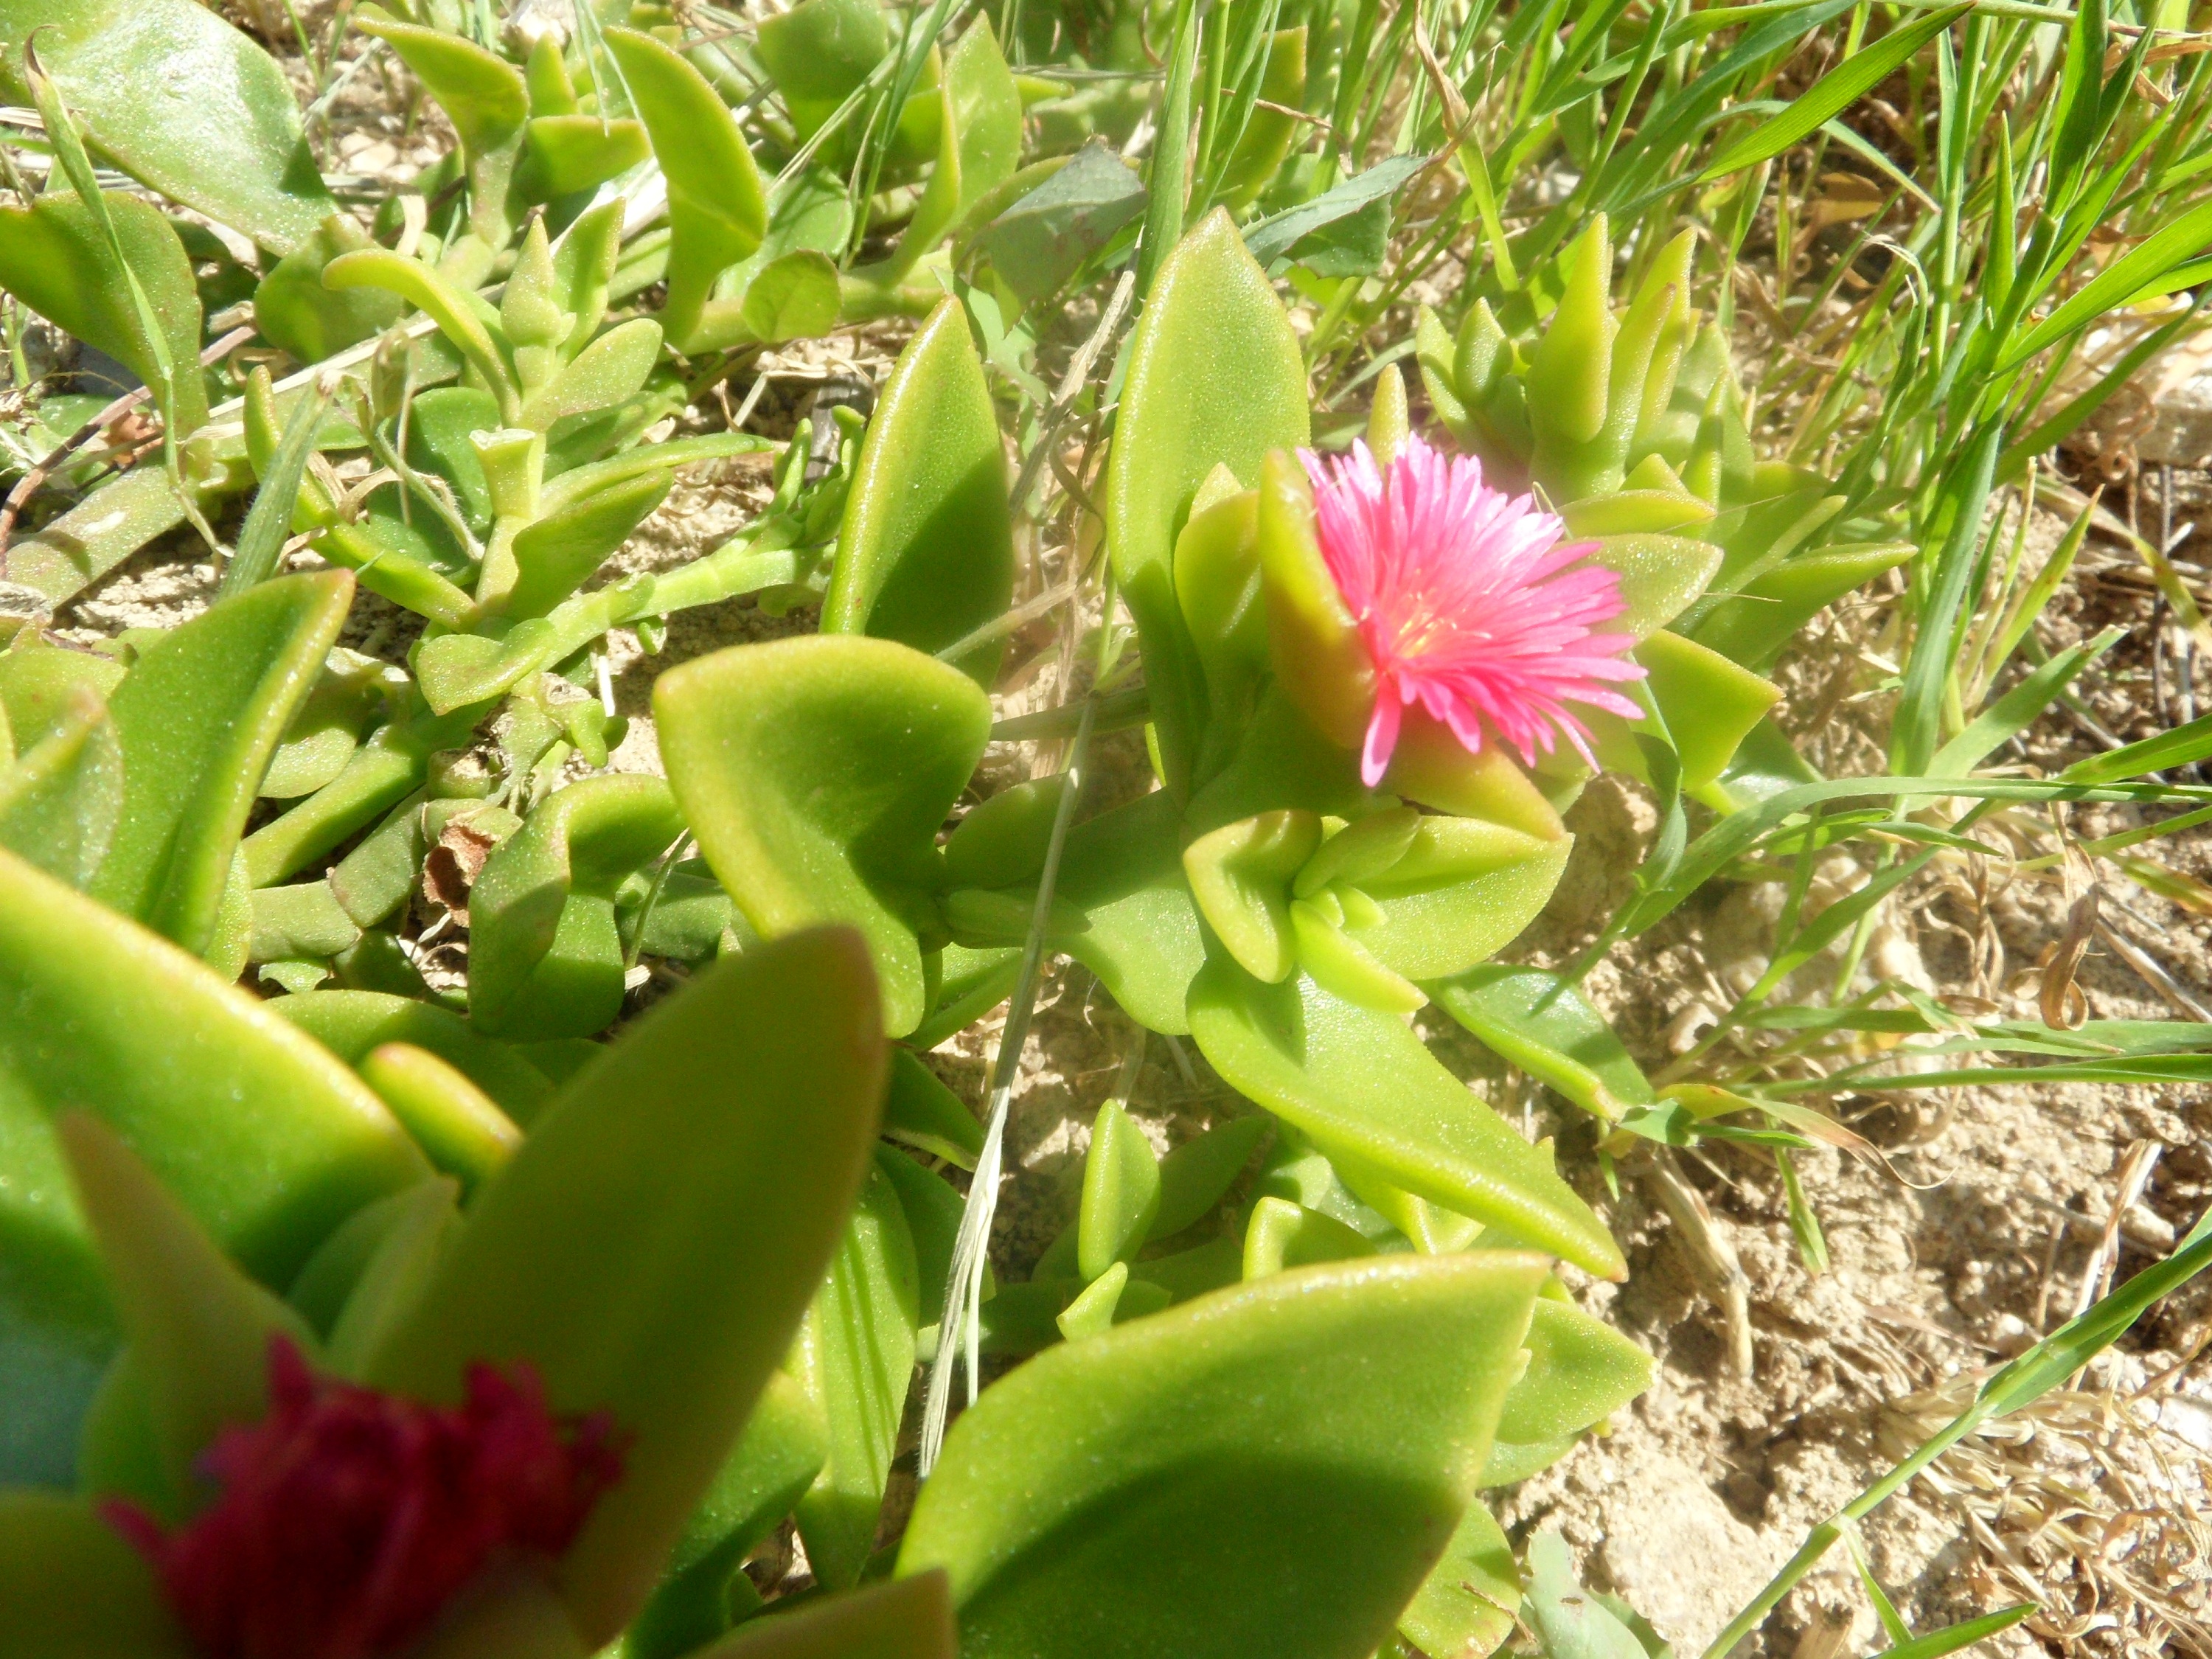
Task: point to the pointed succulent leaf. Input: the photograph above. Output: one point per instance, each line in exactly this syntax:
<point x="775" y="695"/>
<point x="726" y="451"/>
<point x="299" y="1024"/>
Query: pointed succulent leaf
<point x="459" y="1126"/>
<point x="182" y="101"/>
<point x="1123" y="872"/>
<point x="198" y="1329"/>
<point x="926" y="554"/>
<point x="1571" y="1622"/>
<point x="485" y="97"/>
<point x="1321" y="661"/>
<point x="1709" y="703"/>
<point x="819" y="52"/>
<point x="1431" y="766"/>
<point x="855" y="1356"/>
<point x="263" y="1136"/>
<point x="1349" y="1077"/>
<point x="558" y="553"/>
<point x="567" y="153"/>
<point x="1463" y="890"/>
<point x="717" y="211"/>
<point x="1756" y="624"/>
<point x="738" y="1116"/>
<point x="1197" y="1175"/>
<point x="469" y="324"/>
<point x="1281" y="1235"/>
<point x="979" y="144"/>
<point x="774" y="1460"/>
<point x="1569" y="372"/>
<point x="353" y="1024"/>
<point x="1580" y="1371"/>
<point x="1271" y="1469"/>
<point x="1004" y="840"/>
<point x="1241" y="874"/>
<point x="1465" y="1606"/>
<point x="905" y="1618"/>
<point x="71" y="1587"/>
<point x="1121" y="1192"/>
<point x="198" y="718"/>
<point x="294" y="310"/>
<point x="60" y="801"/>
<point x="815" y="773"/>
<point x="1214" y="379"/>
<point x="545" y="956"/>
<point x="920" y="1112"/>
<point x="1258" y="157"/>
<point x="55" y="257"/>
<point x="1541" y="1022"/>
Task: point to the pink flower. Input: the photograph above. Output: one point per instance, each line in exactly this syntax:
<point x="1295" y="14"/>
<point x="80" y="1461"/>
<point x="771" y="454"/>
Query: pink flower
<point x="350" y="1518"/>
<point x="1469" y="603"/>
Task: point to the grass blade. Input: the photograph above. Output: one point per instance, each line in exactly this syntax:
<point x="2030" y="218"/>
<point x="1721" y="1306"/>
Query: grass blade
<point x="1832" y="94"/>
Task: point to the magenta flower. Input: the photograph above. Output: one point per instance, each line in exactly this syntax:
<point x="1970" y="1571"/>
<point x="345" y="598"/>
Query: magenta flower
<point x="350" y="1518"/>
<point x="1469" y="603"/>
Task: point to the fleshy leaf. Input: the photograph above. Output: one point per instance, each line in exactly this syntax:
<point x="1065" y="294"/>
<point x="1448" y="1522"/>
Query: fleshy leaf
<point x="1269" y="1469"/>
<point x="198" y="718"/>
<point x="926" y="555"/>
<point x="263" y="1136"/>
<point x="737" y="1119"/>
<point x="545" y="956"/>
<point x="1349" y="1077"/>
<point x="1214" y="379"/>
<point x="184" y="102"/>
<point x="815" y="773"/>
<point x="71" y="1589"/>
<point x="855" y="1357"/>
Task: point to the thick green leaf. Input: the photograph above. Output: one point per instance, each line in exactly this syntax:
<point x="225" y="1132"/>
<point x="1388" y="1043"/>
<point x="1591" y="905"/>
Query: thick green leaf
<point x="351" y="1024"/>
<point x="57" y="259"/>
<point x="1541" y="1024"/>
<point x="922" y="1113"/>
<point x="819" y="51"/>
<point x="460" y="1127"/>
<point x="776" y="1459"/>
<point x="198" y="1329"/>
<point x="545" y="956"/>
<point x="1571" y="1623"/>
<point x="1123" y="871"/>
<point x="294" y="310"/>
<point x="1120" y="1193"/>
<point x="1464" y="1609"/>
<point x="653" y="1245"/>
<point x="60" y="801"/>
<point x="1271" y="1469"/>
<point x="1198" y="1174"/>
<point x="979" y="144"/>
<point x="855" y="1357"/>
<point x="1353" y="1078"/>
<point x="926" y="554"/>
<point x="485" y="97"/>
<point x="815" y="773"/>
<point x="182" y="102"/>
<point x="1214" y="379"/>
<point x="1580" y="1371"/>
<point x="717" y="212"/>
<point x="71" y="1587"/>
<point x="1464" y="889"/>
<point x="264" y="1137"/>
<point x="907" y="1618"/>
<point x="198" y="718"/>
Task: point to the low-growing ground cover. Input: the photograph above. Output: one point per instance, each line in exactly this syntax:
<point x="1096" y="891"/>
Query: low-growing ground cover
<point x="1295" y="829"/>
